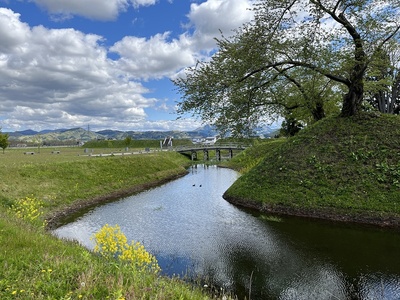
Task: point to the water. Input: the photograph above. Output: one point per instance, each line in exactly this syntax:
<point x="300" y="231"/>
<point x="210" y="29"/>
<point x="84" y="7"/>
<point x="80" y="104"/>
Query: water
<point x="195" y="233"/>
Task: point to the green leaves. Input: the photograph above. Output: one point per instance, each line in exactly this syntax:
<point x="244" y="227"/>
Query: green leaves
<point x="295" y="57"/>
<point x="3" y="140"/>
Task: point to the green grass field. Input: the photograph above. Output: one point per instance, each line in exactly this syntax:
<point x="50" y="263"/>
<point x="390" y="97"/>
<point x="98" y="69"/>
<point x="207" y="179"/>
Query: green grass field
<point x="36" y="265"/>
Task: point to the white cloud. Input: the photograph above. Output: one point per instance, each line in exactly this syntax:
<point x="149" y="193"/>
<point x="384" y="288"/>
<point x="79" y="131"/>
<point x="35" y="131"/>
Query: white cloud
<point x="160" y="56"/>
<point x="104" y="10"/>
<point x="154" y="57"/>
<point x="164" y="125"/>
<point x="24" y="118"/>
<point x="12" y="32"/>
<point x="137" y="3"/>
<point x="62" y="78"/>
<point x="92" y="9"/>
<point x="213" y="16"/>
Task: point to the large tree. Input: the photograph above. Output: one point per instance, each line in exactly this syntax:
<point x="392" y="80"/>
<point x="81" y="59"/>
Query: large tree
<point x="288" y="42"/>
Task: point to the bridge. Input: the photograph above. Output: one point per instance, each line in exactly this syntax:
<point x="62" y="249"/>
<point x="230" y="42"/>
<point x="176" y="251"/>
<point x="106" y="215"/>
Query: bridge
<point x="193" y="149"/>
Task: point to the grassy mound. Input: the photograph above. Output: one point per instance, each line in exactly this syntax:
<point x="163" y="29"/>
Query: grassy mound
<point x="340" y="168"/>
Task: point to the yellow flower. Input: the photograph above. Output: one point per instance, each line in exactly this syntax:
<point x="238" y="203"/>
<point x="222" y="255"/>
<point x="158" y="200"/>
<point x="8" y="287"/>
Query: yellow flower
<point x="27" y="208"/>
<point x="111" y="242"/>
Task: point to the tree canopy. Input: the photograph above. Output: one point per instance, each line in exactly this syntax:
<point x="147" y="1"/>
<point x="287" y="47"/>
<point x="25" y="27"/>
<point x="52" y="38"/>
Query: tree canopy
<point x="294" y="54"/>
<point x="383" y="81"/>
<point x="3" y="140"/>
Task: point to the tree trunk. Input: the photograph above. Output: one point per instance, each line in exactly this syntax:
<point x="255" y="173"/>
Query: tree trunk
<point x="352" y="100"/>
<point x="318" y="111"/>
<point x="394" y="104"/>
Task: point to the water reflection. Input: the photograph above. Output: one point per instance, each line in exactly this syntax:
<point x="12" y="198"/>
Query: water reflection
<point x="194" y="232"/>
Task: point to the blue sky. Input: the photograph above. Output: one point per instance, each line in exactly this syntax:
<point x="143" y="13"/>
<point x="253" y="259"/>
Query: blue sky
<point x="104" y="63"/>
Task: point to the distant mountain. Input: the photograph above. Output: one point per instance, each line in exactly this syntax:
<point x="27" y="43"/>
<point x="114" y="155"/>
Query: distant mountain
<point x="75" y="134"/>
<point x="111" y="133"/>
<point x="268" y="131"/>
<point x="205" y="131"/>
<point x="24" y="132"/>
<point x="30" y="132"/>
<point x="82" y="135"/>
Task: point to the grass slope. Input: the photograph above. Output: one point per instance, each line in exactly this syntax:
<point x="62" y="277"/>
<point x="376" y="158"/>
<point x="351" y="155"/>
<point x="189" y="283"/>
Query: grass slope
<point x="36" y="265"/>
<point x="340" y="168"/>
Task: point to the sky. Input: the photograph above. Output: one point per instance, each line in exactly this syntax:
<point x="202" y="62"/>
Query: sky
<point x="106" y="64"/>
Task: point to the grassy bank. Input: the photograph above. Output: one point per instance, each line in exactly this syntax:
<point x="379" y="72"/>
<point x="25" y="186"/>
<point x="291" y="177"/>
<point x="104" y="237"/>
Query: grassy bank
<point x="36" y="265"/>
<point x="62" y="179"/>
<point x="340" y="168"/>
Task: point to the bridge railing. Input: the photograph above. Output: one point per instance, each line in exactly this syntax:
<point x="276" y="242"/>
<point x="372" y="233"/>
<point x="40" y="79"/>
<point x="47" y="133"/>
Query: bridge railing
<point x="198" y="147"/>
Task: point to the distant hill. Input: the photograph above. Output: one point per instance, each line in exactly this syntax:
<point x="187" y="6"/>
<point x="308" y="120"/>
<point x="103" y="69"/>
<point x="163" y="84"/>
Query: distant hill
<point x="47" y="136"/>
<point x="26" y="132"/>
<point x="82" y="135"/>
<point x="204" y="131"/>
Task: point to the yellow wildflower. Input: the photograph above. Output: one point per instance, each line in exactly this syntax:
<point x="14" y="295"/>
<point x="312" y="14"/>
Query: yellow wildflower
<point x="111" y="242"/>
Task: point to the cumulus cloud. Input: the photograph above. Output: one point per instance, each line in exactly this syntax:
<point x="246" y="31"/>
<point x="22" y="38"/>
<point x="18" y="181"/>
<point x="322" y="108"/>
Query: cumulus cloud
<point x="61" y="75"/>
<point x="93" y="9"/>
<point x="12" y="31"/>
<point x="154" y="57"/>
<point x="213" y="16"/>
<point x="65" y="78"/>
<point x="160" y="55"/>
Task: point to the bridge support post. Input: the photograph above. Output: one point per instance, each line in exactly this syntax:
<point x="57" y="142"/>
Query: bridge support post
<point x="206" y="157"/>
<point x="230" y="153"/>
<point x="218" y="154"/>
<point x="194" y="155"/>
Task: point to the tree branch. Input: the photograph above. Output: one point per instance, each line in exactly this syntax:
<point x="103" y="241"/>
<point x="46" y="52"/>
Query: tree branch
<point x="293" y="63"/>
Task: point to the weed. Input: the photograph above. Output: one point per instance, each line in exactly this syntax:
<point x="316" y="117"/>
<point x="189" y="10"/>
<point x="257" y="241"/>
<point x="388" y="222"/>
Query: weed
<point x="319" y="165"/>
<point x="388" y="173"/>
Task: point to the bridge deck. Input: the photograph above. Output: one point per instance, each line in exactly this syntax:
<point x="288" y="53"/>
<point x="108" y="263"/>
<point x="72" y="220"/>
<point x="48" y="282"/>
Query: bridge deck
<point x="202" y="147"/>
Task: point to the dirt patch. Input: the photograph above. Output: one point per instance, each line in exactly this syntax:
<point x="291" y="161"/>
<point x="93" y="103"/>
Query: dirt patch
<point x="58" y="218"/>
<point x="367" y="218"/>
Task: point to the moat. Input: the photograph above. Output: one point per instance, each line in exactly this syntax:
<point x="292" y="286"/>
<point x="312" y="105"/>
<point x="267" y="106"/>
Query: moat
<point x="195" y="233"/>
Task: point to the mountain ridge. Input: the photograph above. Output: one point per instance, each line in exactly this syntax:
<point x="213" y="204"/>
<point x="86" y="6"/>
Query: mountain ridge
<point x="83" y="135"/>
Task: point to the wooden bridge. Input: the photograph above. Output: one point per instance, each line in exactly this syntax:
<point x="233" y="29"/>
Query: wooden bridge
<point x="193" y="149"/>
